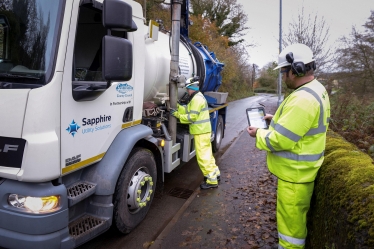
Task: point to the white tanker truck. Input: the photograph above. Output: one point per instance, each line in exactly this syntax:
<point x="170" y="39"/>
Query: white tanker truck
<point x="85" y="131"/>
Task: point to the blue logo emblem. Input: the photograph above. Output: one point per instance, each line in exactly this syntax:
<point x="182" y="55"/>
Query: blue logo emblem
<point x="124" y="88"/>
<point x="73" y="128"/>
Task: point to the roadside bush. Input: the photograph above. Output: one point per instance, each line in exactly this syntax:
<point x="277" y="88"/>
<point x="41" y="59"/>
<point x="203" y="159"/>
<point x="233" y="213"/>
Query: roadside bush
<point x="265" y="90"/>
<point x="267" y="81"/>
<point x="271" y="91"/>
<point x="236" y="91"/>
<point x="260" y="90"/>
<point x="353" y="117"/>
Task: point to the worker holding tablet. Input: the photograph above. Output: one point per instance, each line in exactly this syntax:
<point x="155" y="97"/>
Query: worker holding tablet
<point x="295" y="142"/>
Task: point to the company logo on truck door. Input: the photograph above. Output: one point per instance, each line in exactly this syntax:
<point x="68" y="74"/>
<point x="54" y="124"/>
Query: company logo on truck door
<point x="88" y="123"/>
<point x="125" y="90"/>
<point x="73" y="128"/>
<point x="96" y="121"/>
<point x="93" y="121"/>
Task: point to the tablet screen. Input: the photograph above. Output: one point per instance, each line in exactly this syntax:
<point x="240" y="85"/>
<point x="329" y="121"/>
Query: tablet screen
<point x="256" y="118"/>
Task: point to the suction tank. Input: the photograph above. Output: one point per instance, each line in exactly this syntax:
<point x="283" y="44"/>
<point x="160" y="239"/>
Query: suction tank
<point x="157" y="67"/>
<point x="193" y="60"/>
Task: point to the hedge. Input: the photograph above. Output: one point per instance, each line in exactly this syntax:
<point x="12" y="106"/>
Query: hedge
<point x="264" y="90"/>
<point x="342" y="206"/>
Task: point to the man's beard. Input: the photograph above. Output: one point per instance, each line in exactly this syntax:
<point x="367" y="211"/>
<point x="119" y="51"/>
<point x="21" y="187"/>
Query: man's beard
<point x="289" y="83"/>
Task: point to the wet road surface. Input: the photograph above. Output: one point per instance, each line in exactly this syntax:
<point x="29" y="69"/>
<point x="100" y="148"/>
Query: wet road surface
<point x="180" y="188"/>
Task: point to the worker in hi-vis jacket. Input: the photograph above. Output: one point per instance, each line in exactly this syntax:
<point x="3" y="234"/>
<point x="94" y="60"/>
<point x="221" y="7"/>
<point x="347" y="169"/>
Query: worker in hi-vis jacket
<point x="196" y="114"/>
<point x="295" y="142"/>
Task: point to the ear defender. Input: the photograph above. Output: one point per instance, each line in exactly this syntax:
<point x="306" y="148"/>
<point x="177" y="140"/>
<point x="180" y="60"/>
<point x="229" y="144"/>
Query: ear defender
<point x="314" y="65"/>
<point x="289" y="57"/>
<point x="297" y="68"/>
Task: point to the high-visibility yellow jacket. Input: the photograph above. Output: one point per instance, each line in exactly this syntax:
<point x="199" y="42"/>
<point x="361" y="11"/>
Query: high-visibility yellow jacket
<point x="296" y="138"/>
<point x="196" y="114"/>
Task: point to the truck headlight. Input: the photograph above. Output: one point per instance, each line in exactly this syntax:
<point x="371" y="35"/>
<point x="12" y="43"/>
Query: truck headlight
<point x="34" y="204"/>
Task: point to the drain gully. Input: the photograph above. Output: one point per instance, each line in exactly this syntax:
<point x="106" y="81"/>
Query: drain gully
<point x="180" y="192"/>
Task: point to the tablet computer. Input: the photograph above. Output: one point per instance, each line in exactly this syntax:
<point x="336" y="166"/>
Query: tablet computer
<point x="256" y="116"/>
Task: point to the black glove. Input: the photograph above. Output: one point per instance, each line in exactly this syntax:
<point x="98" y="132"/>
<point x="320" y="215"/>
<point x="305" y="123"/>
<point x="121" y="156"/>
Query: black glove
<point x="174" y="113"/>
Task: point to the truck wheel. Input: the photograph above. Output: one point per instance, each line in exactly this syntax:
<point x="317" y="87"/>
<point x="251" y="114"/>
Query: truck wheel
<point x="134" y="191"/>
<point x="218" y="136"/>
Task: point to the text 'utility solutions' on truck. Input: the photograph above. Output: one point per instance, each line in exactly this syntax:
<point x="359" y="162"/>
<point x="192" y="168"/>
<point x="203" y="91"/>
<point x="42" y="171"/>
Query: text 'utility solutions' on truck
<point x="85" y="131"/>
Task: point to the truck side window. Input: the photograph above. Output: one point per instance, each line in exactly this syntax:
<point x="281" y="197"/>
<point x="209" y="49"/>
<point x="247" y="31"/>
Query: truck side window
<point x="88" y="50"/>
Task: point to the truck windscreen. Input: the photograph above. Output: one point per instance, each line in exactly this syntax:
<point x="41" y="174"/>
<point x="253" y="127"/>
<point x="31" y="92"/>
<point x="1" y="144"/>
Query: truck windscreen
<point x="29" y="32"/>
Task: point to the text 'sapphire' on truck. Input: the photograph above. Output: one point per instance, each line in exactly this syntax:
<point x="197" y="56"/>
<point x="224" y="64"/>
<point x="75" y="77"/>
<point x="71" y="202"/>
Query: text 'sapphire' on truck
<point x="85" y="134"/>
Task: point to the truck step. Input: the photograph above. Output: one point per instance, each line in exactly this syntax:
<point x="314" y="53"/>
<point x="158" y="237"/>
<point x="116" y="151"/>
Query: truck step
<point x="79" y="191"/>
<point x="87" y="227"/>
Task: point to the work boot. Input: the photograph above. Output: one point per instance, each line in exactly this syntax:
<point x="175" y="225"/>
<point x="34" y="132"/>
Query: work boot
<point x="218" y="179"/>
<point x="206" y="185"/>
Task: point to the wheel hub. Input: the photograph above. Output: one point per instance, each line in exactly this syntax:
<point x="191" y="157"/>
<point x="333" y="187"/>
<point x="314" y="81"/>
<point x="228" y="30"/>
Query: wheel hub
<point x="139" y="191"/>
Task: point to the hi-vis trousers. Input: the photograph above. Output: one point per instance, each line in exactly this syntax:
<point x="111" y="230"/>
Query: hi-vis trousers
<point x="205" y="157"/>
<point x="293" y="202"/>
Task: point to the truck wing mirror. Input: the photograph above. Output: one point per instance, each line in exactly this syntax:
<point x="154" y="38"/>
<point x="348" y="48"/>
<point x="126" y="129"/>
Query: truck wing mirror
<point x="117" y="58"/>
<point x="117" y="15"/>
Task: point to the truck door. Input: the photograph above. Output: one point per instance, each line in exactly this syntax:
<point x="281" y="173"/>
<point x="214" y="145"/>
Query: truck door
<point x="93" y="111"/>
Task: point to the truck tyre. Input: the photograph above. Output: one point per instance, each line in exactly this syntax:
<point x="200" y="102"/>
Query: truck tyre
<point x="135" y="190"/>
<point x="216" y="144"/>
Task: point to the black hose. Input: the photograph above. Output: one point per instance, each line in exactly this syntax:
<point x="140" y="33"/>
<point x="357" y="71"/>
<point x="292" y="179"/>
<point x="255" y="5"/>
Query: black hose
<point x="200" y="71"/>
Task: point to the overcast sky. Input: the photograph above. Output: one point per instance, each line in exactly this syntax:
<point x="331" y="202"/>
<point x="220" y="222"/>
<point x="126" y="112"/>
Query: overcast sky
<point x="263" y="20"/>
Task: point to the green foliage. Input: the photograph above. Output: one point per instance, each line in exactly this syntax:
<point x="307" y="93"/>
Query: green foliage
<point x="265" y="90"/>
<point x="353" y="118"/>
<point x="237" y="91"/>
<point x="342" y="207"/>
<point x="227" y="15"/>
<point x="271" y="91"/>
<point x="267" y="81"/>
<point x="270" y="69"/>
<point x="269" y="77"/>
<point x="261" y="90"/>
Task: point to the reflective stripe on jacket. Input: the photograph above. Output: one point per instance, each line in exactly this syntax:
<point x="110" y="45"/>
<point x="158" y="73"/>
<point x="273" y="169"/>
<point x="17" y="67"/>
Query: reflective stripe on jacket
<point x="196" y="114"/>
<point x="296" y="138"/>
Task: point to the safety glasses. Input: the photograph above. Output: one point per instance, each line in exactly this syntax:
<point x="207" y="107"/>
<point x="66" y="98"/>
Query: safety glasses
<point x="285" y="70"/>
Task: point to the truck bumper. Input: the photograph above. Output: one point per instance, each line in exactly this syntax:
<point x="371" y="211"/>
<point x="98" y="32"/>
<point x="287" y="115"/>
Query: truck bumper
<point x="32" y="230"/>
<point x="10" y="239"/>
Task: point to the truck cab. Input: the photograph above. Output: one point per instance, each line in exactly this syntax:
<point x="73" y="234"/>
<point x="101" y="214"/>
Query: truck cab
<point x="67" y="93"/>
<point x="76" y="155"/>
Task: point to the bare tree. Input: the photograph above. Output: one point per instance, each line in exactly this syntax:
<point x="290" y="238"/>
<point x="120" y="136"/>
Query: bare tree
<point x="313" y="32"/>
<point x="356" y="57"/>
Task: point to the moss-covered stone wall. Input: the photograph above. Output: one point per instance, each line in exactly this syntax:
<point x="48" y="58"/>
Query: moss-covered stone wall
<point x="341" y="215"/>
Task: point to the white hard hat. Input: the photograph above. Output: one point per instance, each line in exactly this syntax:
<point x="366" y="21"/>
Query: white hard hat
<point x="300" y="52"/>
<point x="193" y="83"/>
